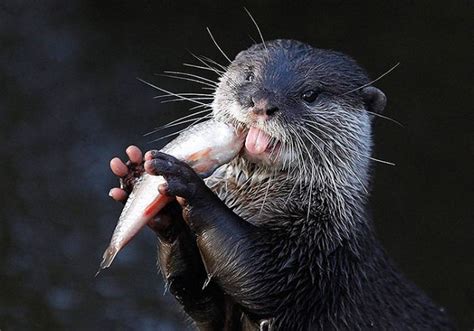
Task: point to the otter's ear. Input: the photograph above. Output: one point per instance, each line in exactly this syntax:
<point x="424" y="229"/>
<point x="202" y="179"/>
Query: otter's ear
<point x="375" y="100"/>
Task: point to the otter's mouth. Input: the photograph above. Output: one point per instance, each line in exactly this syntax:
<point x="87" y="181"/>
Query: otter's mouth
<point x="259" y="143"/>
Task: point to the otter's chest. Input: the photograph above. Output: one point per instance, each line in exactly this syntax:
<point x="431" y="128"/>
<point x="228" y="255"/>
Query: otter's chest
<point x="257" y="199"/>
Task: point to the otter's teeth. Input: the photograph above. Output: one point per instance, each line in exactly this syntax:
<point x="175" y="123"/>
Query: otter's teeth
<point x="257" y="141"/>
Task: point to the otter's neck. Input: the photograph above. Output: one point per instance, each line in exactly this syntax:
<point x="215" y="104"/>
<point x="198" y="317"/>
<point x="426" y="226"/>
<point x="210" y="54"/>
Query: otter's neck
<point x="325" y="207"/>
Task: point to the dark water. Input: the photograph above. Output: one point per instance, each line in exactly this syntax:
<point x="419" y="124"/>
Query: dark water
<point x="69" y="102"/>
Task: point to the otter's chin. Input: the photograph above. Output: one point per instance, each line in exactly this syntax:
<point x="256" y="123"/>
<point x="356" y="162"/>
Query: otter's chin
<point x="262" y="159"/>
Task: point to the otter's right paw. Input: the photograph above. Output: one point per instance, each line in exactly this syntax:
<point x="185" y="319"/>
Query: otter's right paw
<point x="127" y="172"/>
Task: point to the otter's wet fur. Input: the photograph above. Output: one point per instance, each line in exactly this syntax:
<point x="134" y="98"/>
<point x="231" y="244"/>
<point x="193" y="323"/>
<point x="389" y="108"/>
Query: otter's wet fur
<point x="292" y="246"/>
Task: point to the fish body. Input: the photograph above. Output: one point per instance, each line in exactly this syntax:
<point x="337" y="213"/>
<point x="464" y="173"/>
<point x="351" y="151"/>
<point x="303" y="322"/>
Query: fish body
<point x="204" y="146"/>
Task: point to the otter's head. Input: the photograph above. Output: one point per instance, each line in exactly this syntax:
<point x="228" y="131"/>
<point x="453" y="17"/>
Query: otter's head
<point x="303" y="106"/>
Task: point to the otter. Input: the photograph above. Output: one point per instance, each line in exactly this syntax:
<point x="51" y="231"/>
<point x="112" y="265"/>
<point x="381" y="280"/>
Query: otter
<point x="281" y="237"/>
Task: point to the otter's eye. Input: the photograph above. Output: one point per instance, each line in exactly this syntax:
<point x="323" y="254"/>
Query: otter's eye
<point x="309" y="96"/>
<point x="249" y="77"/>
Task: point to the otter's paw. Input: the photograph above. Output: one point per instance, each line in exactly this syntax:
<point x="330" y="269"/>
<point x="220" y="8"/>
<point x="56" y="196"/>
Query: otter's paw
<point x="127" y="172"/>
<point x="182" y="179"/>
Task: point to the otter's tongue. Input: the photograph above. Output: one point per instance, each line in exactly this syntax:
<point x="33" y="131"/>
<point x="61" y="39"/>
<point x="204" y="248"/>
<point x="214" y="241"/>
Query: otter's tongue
<point x="257" y="141"/>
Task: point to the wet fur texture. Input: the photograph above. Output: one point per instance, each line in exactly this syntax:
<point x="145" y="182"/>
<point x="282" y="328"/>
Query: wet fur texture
<point x="288" y="244"/>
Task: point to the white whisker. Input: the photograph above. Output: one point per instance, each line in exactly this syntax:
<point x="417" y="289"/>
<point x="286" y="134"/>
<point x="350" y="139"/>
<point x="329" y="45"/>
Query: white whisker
<point x="179" y="99"/>
<point x="217" y="45"/>
<point x="375" y="80"/>
<point x="188" y="79"/>
<point x="204" y="79"/>
<point x="178" y="132"/>
<point x="218" y="72"/>
<point x="258" y="28"/>
<point x="177" y="120"/>
<point x="170" y="93"/>
<point x="184" y="95"/>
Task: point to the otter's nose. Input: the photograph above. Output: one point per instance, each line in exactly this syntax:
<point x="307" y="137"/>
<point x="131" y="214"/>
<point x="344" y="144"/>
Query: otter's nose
<point x="263" y="108"/>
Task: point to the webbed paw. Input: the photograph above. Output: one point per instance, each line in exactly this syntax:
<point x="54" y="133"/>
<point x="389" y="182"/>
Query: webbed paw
<point x="182" y="180"/>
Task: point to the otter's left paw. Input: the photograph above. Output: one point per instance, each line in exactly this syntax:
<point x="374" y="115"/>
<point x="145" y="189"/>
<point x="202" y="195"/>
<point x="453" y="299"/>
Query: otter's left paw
<point x="181" y="178"/>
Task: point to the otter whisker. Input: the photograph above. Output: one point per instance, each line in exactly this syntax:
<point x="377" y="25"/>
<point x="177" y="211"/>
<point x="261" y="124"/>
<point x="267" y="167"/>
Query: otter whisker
<point x="188" y="79"/>
<point x="295" y="176"/>
<point x="204" y="79"/>
<point x="178" y="132"/>
<point x="211" y="61"/>
<point x="331" y="172"/>
<point x="252" y="39"/>
<point x="179" y="99"/>
<point x="177" y="120"/>
<point x="291" y="192"/>
<point x="170" y="93"/>
<point x="326" y="124"/>
<point x="295" y="152"/>
<point x="272" y="152"/>
<point x="312" y="162"/>
<point x="207" y="62"/>
<point x="244" y="184"/>
<point x="311" y="181"/>
<point x="180" y="123"/>
<point x="382" y="161"/>
<point x="325" y="113"/>
<point x="373" y="81"/>
<point x="310" y="193"/>
<point x="348" y="148"/>
<point x="384" y="117"/>
<point x="266" y="194"/>
<point x="258" y="28"/>
<point x="207" y="109"/>
<point x="366" y="111"/>
<point x="218" y="72"/>
<point x="217" y="45"/>
<point x="351" y="171"/>
<point x="201" y="106"/>
<point x="185" y="95"/>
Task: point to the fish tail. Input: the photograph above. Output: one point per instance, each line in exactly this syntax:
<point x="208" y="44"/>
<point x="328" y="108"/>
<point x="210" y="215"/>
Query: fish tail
<point x="108" y="258"/>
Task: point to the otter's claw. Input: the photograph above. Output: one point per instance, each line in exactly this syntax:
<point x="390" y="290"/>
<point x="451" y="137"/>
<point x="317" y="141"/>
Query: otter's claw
<point x="182" y="179"/>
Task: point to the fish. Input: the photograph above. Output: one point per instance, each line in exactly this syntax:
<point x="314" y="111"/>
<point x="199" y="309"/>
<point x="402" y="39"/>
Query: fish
<point x="204" y="146"/>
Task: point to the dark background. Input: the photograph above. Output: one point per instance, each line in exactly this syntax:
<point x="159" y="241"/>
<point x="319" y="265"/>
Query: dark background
<point x="69" y="102"/>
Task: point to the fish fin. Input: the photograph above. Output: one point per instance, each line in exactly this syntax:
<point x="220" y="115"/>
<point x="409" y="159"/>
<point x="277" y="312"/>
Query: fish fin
<point x="108" y="258"/>
<point x="198" y="155"/>
<point x="156" y="205"/>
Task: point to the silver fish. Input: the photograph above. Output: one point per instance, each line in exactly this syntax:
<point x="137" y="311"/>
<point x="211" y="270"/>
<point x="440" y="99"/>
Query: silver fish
<point x="204" y="146"/>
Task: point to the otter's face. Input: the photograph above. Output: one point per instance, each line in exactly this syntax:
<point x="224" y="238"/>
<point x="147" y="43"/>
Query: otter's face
<point x="293" y="100"/>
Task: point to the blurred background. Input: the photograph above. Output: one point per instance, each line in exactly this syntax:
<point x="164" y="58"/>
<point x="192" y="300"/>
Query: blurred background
<point x="70" y="101"/>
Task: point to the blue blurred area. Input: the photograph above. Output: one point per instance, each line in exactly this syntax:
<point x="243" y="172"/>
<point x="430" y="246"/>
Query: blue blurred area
<point x="70" y="101"/>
